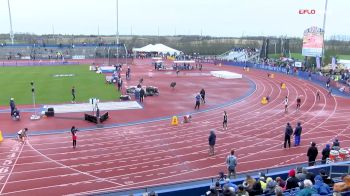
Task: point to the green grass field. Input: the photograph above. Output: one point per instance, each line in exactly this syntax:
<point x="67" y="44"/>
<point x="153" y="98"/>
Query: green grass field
<point x="344" y="57"/>
<point x="15" y="82"/>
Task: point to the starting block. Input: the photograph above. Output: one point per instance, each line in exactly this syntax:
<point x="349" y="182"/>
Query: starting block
<point x="174" y="120"/>
<point x="1" y="138"/>
<point x="264" y="101"/>
<point x="283" y="86"/>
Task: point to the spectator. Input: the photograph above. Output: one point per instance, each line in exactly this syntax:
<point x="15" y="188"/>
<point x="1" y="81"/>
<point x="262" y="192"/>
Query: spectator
<point x="248" y="182"/>
<point x="309" y="175"/>
<point x="312" y="154"/>
<point x="218" y="187"/>
<point x="262" y="176"/>
<point x="336" y="145"/>
<point x="326" y="179"/>
<point x="256" y="189"/>
<point x="292" y="181"/>
<point x="212" y="191"/>
<point x="241" y="191"/>
<point x="262" y="183"/>
<point x="231" y="163"/>
<point x="280" y="182"/>
<point x="342" y="186"/>
<point x="222" y="176"/>
<point x="278" y="191"/>
<point x="307" y="190"/>
<point x="321" y="187"/>
<point x="230" y="184"/>
<point x="152" y="193"/>
<point x="325" y="153"/>
<point x="270" y="186"/>
<point x="262" y="180"/>
<point x="212" y="141"/>
<point x="300" y="175"/>
<point x="228" y="191"/>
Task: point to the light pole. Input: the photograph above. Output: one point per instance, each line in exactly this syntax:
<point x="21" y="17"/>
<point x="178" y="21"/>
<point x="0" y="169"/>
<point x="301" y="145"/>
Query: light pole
<point x="34" y="116"/>
<point x="12" y="36"/>
<point x="117" y="13"/>
<point x="324" y="29"/>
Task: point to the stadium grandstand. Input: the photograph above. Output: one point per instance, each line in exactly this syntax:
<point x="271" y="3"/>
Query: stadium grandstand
<point x="241" y="55"/>
<point x="106" y="54"/>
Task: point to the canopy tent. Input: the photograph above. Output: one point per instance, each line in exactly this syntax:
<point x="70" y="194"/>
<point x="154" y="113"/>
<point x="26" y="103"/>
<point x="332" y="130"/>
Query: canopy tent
<point x="158" y="48"/>
<point x="346" y="63"/>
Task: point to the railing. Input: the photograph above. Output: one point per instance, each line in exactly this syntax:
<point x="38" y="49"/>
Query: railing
<point x="316" y="78"/>
<point x="200" y="186"/>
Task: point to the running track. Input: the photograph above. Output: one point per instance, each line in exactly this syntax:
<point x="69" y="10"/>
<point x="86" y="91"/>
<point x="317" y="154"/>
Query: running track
<point x="156" y="153"/>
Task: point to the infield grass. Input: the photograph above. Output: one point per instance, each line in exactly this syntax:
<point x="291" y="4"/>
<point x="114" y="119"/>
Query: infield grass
<point x="15" y="82"/>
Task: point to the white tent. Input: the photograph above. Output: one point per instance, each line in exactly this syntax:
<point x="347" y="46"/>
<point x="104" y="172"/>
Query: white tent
<point x="143" y="49"/>
<point x="159" y="48"/>
<point x="346" y="63"/>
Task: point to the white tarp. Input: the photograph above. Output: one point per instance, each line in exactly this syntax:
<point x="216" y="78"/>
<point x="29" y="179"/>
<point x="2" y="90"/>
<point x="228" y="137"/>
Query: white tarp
<point x="87" y="107"/>
<point x="226" y="74"/>
<point x="159" y="48"/>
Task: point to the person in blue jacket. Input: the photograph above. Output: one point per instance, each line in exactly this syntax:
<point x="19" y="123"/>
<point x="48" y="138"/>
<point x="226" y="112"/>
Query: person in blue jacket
<point x="321" y="187"/>
<point x="212" y="141"/>
<point x="12" y="105"/>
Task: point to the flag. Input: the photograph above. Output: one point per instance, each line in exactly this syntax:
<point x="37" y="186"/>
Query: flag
<point x="333" y="63"/>
<point x="318" y="62"/>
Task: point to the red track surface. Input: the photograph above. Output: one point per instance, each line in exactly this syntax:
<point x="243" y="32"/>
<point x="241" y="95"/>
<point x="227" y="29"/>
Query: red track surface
<point x="156" y="153"/>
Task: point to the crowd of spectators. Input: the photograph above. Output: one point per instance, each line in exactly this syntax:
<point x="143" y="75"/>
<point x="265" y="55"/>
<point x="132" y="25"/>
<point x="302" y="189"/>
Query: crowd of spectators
<point x="300" y="181"/>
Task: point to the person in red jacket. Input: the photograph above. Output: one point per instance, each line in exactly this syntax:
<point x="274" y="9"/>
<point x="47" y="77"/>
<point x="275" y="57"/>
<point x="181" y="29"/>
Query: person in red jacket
<point x="74" y="136"/>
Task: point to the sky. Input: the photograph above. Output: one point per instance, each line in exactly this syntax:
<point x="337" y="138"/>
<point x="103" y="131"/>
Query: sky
<point x="228" y="18"/>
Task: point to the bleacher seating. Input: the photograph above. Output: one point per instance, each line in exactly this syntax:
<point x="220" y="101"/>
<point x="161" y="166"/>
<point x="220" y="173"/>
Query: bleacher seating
<point x="201" y="187"/>
<point x="44" y="52"/>
<point x="240" y="54"/>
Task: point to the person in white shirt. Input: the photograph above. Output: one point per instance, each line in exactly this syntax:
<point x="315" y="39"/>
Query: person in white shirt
<point x="286" y="104"/>
<point x="22" y="134"/>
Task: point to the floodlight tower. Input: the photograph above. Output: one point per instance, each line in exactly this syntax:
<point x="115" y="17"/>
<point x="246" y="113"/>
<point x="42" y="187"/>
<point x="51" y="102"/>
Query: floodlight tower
<point x="34" y="116"/>
<point x="324" y="27"/>
<point x="12" y="36"/>
<point x="117" y="36"/>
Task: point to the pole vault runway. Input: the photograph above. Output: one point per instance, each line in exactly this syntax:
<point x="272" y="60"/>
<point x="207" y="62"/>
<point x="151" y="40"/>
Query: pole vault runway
<point x="155" y="153"/>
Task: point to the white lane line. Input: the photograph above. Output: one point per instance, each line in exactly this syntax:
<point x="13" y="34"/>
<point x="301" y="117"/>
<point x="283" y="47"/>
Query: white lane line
<point x="65" y="166"/>
<point x="13" y="166"/>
